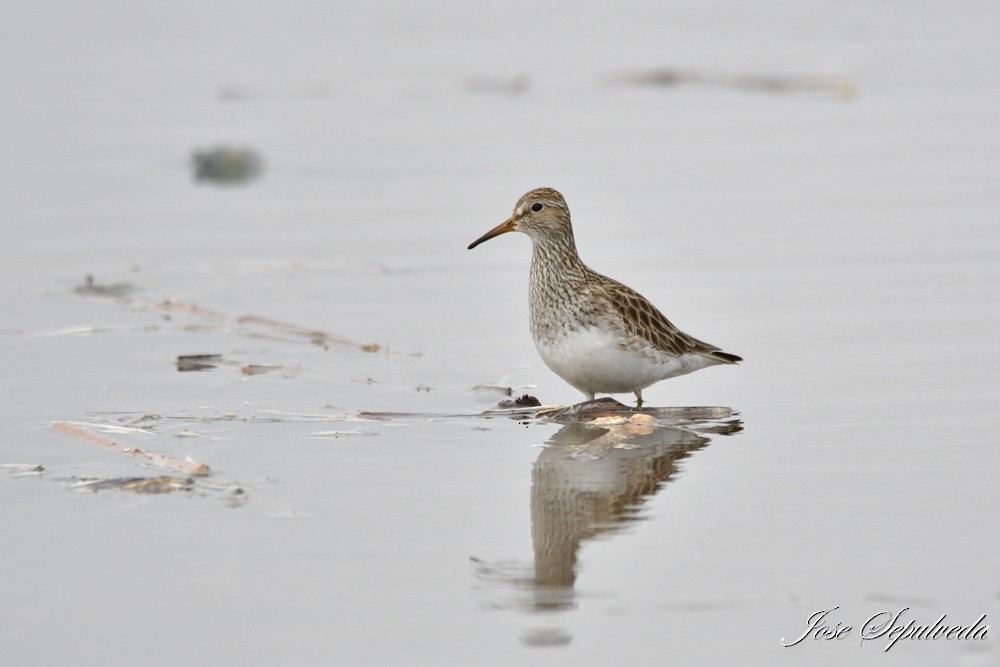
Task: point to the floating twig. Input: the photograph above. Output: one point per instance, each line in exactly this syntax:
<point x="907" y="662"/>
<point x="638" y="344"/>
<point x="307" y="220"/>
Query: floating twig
<point x="315" y="336"/>
<point x="112" y="290"/>
<point x="189" y="467"/>
<point x="142" y="485"/>
<point x="840" y="86"/>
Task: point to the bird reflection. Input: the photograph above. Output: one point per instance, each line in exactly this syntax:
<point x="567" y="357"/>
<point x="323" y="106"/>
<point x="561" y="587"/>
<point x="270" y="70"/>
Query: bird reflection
<point x="589" y="482"/>
<point x="591" y="479"/>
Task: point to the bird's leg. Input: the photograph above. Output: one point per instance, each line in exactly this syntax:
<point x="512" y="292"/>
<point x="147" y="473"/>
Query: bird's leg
<point x="638" y="398"/>
<point x="589" y="395"/>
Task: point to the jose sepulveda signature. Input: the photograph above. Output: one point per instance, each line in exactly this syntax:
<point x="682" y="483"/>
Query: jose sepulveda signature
<point x="889" y="627"/>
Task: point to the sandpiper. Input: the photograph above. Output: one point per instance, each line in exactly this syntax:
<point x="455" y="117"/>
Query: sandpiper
<point x="595" y="333"/>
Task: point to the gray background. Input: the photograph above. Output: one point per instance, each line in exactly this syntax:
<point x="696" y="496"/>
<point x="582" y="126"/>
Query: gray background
<point x="845" y="246"/>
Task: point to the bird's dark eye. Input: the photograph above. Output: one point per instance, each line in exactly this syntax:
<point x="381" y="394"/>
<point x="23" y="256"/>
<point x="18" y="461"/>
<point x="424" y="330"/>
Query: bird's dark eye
<point x="537" y="207"/>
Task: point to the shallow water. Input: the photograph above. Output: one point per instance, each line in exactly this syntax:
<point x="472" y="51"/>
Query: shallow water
<point x="845" y="247"/>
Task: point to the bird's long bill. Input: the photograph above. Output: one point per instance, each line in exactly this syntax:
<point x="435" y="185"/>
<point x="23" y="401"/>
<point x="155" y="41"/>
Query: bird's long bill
<point x="504" y="227"/>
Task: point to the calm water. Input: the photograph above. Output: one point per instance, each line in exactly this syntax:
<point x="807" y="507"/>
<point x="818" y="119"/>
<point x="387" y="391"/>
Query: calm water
<point x="846" y="247"/>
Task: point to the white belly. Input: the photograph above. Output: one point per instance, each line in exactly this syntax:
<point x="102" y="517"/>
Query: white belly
<point x="598" y="361"/>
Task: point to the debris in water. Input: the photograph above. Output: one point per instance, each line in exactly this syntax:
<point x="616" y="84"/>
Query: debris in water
<point x="259" y="369"/>
<point x="74" y="331"/>
<point x="113" y="290"/>
<point x="314" y="336"/>
<point x="493" y="388"/>
<point x="189" y="467"/>
<point x="147" y="485"/>
<point x="608" y="407"/>
<point x="525" y="401"/>
<point x="23" y="469"/>
<point x="226" y="165"/>
<point x="842" y="87"/>
<point x="198" y="362"/>
<point x="334" y="435"/>
<point x="606" y="411"/>
<point x="176" y="307"/>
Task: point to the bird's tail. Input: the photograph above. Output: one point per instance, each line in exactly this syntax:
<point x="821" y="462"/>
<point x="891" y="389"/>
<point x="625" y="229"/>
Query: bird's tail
<point x="725" y="357"/>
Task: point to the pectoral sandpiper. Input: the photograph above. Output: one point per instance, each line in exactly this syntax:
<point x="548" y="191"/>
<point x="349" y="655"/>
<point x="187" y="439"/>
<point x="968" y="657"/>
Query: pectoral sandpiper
<point x="594" y="332"/>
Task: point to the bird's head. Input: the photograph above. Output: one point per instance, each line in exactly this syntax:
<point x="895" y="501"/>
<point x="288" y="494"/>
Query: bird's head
<point x="539" y="214"/>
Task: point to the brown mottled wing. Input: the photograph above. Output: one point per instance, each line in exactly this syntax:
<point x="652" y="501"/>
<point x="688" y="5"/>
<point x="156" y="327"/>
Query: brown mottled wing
<point x="642" y="319"/>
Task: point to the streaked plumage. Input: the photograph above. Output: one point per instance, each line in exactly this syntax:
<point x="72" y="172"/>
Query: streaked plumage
<point x="594" y="332"/>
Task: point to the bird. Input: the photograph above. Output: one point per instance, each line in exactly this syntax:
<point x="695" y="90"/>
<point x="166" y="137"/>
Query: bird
<point x="597" y="334"/>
